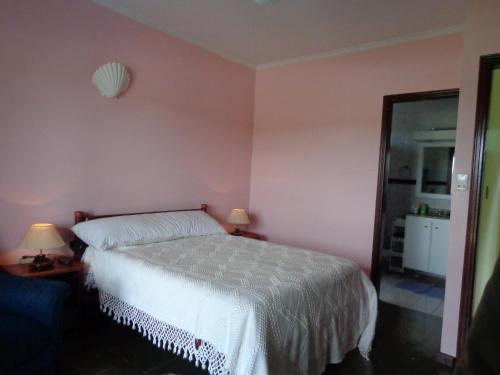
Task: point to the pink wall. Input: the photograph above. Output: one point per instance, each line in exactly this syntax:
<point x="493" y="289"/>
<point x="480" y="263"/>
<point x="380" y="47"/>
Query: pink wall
<point x="317" y="136"/>
<point x="482" y="32"/>
<point x="180" y="136"/>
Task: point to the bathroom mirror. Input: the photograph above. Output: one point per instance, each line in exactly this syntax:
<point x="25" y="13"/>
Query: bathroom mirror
<point x="435" y="169"/>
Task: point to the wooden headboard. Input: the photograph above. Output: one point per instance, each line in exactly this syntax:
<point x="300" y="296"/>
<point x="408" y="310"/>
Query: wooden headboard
<point x="78" y="246"/>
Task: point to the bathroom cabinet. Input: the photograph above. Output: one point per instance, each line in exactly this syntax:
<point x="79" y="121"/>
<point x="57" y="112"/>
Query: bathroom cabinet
<point x="426" y="244"/>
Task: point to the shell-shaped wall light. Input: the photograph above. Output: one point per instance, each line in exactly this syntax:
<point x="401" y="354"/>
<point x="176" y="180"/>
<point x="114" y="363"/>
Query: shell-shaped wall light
<point x="111" y="79"/>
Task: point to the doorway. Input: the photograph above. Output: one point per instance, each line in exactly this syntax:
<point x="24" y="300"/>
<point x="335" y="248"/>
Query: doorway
<point x="413" y="205"/>
<point x="483" y="239"/>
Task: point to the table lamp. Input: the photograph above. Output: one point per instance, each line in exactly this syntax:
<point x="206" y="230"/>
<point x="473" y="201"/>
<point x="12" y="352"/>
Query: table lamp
<point x="41" y="237"/>
<point x="238" y="216"/>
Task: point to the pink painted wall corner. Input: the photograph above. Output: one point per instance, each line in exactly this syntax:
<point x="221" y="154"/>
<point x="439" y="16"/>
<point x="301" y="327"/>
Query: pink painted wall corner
<point x="181" y="135"/>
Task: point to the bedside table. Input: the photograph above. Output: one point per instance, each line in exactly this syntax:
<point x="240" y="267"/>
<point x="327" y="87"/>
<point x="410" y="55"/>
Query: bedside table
<point x="246" y="234"/>
<point x="74" y="269"/>
<point x="72" y="273"/>
<point x="75" y="310"/>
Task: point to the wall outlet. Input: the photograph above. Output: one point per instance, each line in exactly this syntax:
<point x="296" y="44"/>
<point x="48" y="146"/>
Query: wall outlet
<point x="462" y="182"/>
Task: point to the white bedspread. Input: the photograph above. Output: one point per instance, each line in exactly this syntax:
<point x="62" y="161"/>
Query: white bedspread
<point x="260" y="308"/>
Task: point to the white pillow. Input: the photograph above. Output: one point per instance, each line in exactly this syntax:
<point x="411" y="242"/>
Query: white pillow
<point x="117" y="231"/>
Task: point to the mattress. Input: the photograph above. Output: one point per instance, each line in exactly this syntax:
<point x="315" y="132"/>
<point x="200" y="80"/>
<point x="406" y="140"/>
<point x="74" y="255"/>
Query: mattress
<point x="236" y="305"/>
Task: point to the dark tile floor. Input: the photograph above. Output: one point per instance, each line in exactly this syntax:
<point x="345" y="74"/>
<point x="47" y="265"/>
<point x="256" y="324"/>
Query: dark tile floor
<point x="405" y="343"/>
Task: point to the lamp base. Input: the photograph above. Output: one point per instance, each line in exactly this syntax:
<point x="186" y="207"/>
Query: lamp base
<point x="40" y="258"/>
<point x="237" y="232"/>
<point x="41" y="263"/>
<point x="45" y="266"/>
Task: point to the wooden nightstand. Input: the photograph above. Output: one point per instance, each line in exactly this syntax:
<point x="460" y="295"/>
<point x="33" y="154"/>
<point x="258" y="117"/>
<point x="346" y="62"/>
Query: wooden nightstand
<point x="246" y="234"/>
<point x="76" y="309"/>
<point x="75" y="269"/>
<point x="72" y="273"/>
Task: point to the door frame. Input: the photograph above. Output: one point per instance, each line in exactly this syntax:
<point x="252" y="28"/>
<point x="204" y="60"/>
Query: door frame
<point x="487" y="64"/>
<point x="383" y="173"/>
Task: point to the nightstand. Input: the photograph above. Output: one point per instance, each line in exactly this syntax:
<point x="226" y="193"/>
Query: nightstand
<point x="72" y="270"/>
<point x="246" y="234"/>
<point x="72" y="273"/>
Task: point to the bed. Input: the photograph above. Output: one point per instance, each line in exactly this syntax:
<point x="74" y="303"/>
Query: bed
<point x="235" y="305"/>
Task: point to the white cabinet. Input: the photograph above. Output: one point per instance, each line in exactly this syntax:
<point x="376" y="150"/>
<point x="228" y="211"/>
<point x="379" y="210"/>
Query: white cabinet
<point x="417" y="243"/>
<point x="426" y="244"/>
<point x="439" y="246"/>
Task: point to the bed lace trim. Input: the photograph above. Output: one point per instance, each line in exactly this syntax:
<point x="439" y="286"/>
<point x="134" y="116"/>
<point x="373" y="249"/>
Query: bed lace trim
<point x="164" y="335"/>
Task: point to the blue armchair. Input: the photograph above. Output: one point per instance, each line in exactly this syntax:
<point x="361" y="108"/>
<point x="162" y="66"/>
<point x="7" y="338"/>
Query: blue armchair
<point x="30" y="325"/>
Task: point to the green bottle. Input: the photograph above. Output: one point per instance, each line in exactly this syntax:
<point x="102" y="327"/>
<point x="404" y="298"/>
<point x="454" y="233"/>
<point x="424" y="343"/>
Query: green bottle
<point x="423" y="209"/>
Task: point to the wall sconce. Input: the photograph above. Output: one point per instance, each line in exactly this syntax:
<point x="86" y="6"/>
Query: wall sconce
<point x="112" y="79"/>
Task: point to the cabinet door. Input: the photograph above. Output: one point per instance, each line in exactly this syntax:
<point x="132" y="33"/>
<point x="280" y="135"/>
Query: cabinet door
<point x="439" y="247"/>
<point x="417" y="243"/>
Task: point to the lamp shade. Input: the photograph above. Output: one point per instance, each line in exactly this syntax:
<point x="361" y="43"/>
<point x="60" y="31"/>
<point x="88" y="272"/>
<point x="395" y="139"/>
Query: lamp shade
<point x="40" y="237"/>
<point x="238" y="216"/>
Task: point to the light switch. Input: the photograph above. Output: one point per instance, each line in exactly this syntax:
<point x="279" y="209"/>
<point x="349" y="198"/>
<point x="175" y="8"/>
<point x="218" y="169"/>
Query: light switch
<point x="462" y="181"/>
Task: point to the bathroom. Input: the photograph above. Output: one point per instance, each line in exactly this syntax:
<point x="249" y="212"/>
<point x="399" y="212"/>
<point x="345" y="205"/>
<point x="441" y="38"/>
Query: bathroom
<point x="417" y="200"/>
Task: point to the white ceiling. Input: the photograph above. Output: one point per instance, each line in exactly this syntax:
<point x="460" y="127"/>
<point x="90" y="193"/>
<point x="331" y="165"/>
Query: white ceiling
<point x="287" y="30"/>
